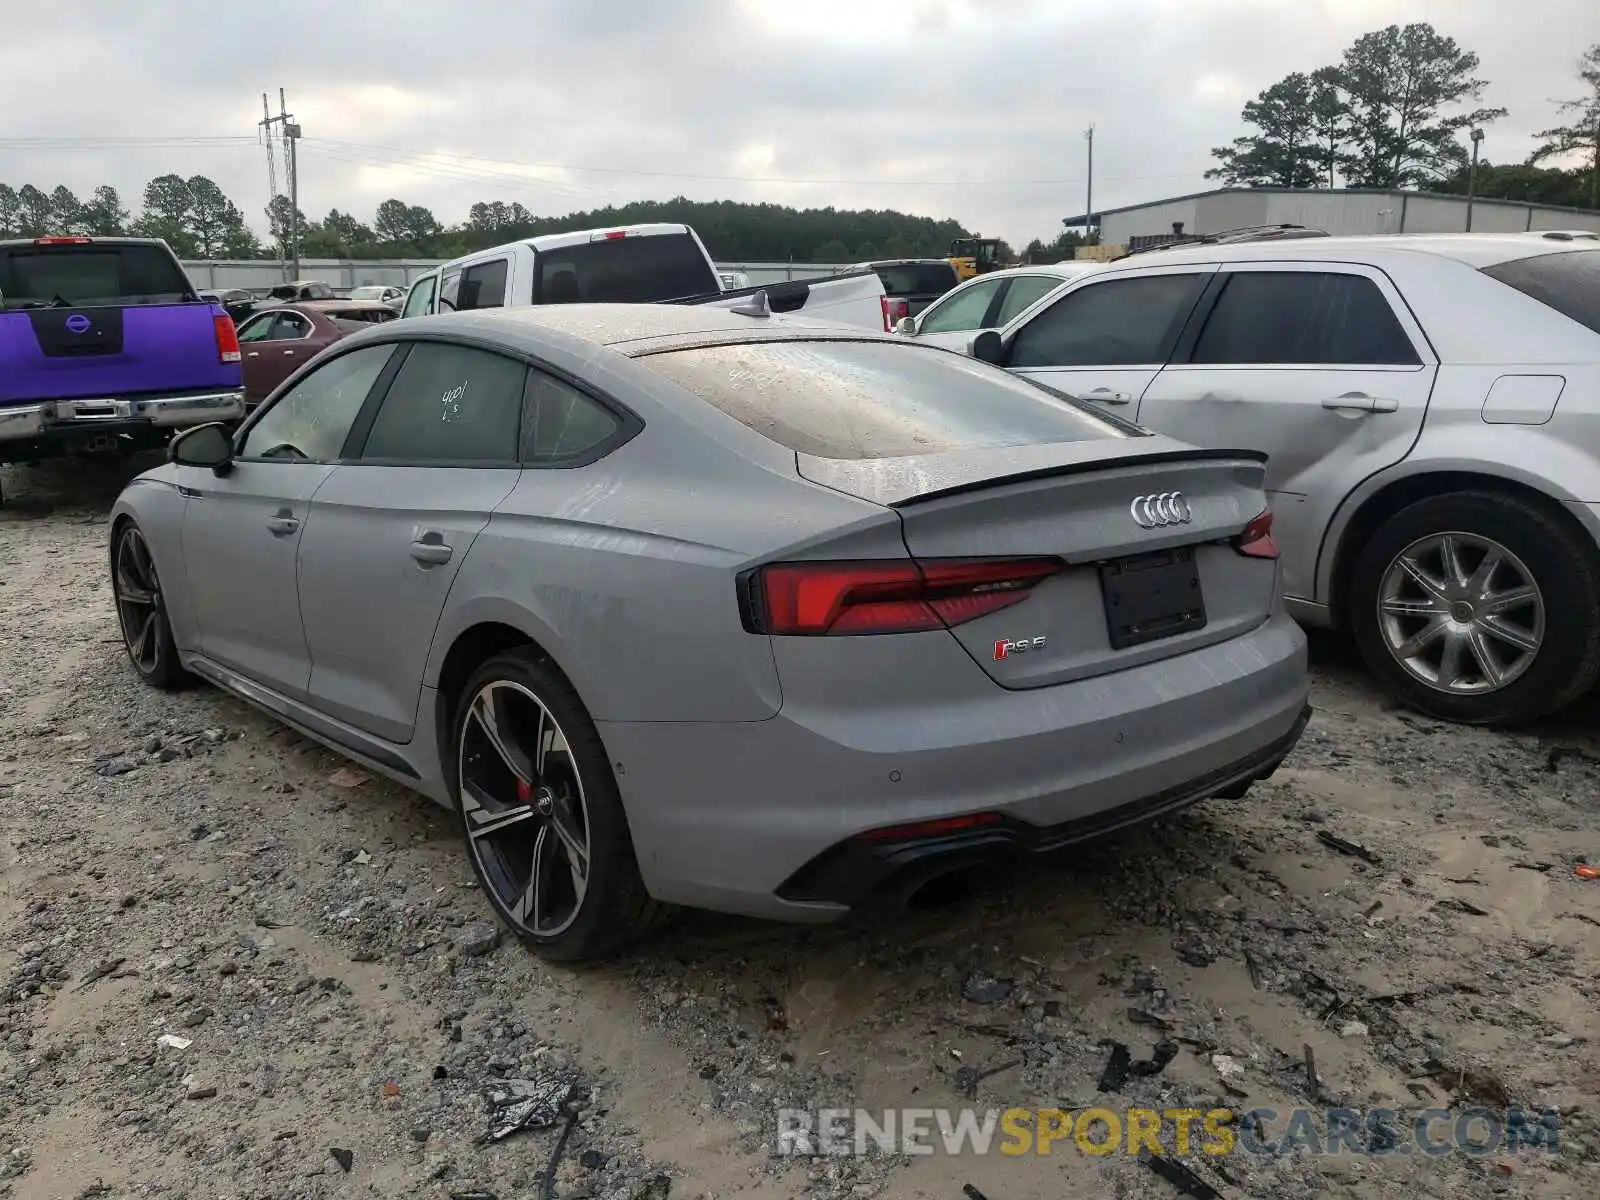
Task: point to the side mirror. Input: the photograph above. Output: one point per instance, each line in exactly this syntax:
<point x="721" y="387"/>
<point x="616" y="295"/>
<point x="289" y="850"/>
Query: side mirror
<point x="987" y="346"/>
<point x="203" y="446"/>
<point x="906" y="327"/>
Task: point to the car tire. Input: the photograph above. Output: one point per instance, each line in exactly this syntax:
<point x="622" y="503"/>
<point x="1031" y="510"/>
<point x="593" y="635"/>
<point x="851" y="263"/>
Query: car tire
<point x="514" y="820"/>
<point x="1396" y="598"/>
<point x="142" y="611"/>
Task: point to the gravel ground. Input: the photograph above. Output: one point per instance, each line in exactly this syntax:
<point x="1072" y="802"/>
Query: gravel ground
<point x="230" y="968"/>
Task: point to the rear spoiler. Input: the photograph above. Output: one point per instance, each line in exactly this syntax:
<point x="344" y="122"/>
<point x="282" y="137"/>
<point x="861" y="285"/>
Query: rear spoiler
<point x="788" y="296"/>
<point x="1086" y="467"/>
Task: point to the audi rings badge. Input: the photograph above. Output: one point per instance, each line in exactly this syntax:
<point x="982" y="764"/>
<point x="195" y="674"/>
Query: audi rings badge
<point x="1161" y="509"/>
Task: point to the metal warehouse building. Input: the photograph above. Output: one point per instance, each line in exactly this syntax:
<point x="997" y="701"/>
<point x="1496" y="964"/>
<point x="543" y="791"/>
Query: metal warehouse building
<point x="1336" y="210"/>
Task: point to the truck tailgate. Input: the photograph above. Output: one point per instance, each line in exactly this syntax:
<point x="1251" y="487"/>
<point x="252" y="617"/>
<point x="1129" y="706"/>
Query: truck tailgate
<point x="67" y="353"/>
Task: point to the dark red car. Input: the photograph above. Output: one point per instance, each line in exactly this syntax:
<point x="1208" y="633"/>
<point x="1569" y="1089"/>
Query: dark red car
<point x="276" y="341"/>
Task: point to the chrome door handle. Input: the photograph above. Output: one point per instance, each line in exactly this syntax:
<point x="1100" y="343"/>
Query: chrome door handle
<point x="1360" y="402"/>
<point x="1107" y="396"/>
<point x="290" y="353"/>
<point x="282" y="526"/>
<point x="431" y="553"/>
<point x="253" y="354"/>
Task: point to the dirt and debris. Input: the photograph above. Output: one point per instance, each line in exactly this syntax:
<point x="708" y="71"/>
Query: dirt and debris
<point x="327" y="941"/>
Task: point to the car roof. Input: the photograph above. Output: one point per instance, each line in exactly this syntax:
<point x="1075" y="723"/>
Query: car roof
<point x="623" y="326"/>
<point x="1066" y="269"/>
<point x="1473" y="249"/>
<point x="346" y="305"/>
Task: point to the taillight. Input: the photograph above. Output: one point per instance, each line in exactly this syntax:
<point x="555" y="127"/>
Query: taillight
<point x="610" y="235"/>
<point x="902" y="596"/>
<point x="893" y="310"/>
<point x="1255" y="539"/>
<point x="62" y="241"/>
<point x="227" y="338"/>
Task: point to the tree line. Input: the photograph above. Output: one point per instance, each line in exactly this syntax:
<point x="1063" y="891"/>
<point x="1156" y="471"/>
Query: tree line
<point x="199" y="221"/>
<point x="1393" y="112"/>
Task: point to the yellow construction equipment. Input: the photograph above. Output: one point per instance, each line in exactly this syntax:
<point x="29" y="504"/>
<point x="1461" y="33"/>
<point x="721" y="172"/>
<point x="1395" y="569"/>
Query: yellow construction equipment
<point x="975" y="256"/>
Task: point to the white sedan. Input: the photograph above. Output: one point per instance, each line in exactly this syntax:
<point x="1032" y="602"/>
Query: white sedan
<point x="988" y="302"/>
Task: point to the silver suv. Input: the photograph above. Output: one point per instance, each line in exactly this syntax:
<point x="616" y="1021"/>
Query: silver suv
<point x="1431" y="409"/>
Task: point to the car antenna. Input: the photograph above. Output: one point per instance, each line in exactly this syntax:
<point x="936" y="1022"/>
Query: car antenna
<point x="756" y="306"/>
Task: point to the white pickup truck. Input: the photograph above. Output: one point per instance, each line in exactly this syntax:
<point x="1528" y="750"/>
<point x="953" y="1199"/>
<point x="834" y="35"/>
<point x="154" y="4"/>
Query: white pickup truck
<point x="634" y="264"/>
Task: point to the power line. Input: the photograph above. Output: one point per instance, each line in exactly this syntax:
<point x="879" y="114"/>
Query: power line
<point x="332" y="145"/>
<point x="114" y="143"/>
<point x="459" y="174"/>
<point x="448" y="164"/>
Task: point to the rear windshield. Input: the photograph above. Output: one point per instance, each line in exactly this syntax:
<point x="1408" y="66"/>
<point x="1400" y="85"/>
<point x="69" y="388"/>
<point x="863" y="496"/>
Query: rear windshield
<point x="875" y="399"/>
<point x="38" y="276"/>
<point x="917" y="279"/>
<point x="628" y="270"/>
<point x="1568" y="282"/>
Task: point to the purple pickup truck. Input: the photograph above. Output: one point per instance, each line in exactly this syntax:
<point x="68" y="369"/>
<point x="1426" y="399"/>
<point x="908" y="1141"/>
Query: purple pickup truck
<point x="105" y="348"/>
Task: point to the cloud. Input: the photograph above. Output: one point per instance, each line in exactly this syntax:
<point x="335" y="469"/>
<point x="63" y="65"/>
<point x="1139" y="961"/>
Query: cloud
<point x="967" y="108"/>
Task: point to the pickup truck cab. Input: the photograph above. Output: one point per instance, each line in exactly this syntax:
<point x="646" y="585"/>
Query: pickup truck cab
<point x="106" y="347"/>
<point x="635" y="264"/>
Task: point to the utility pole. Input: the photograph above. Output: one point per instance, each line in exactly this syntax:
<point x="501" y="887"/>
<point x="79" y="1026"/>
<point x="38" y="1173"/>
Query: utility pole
<point x="1472" y="175"/>
<point x="290" y="131"/>
<point x="1088" y="198"/>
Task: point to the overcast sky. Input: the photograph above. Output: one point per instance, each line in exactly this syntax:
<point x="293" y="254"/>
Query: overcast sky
<point x="974" y="110"/>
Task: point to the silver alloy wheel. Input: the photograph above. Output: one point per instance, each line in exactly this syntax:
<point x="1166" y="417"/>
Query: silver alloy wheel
<point x="523" y="801"/>
<point x="1461" y="613"/>
<point x="138" y="597"/>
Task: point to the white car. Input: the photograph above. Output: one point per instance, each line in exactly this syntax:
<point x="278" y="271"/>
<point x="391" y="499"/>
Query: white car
<point x="381" y="293"/>
<point x="1430" y="408"/>
<point x="988" y="302"/>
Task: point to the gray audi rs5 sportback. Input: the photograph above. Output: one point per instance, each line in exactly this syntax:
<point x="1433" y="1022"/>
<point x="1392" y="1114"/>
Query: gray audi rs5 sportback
<point x="680" y="606"/>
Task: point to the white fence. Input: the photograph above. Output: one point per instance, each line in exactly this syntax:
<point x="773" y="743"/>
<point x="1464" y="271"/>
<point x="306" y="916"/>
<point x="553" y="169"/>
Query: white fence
<point x="341" y="273"/>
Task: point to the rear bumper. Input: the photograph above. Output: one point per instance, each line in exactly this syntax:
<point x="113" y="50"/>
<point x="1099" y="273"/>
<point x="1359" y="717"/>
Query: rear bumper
<point x="853" y="871"/>
<point x="85" y="419"/>
<point x="756" y="817"/>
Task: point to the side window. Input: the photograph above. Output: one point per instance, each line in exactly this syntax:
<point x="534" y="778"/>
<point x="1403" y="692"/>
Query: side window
<point x="961" y="312"/>
<point x="449" y="289"/>
<point x="561" y="423"/>
<point x="1023" y="292"/>
<point x="289" y="327"/>
<point x="1114" y="323"/>
<point x="1303" y="317"/>
<point x="311" y="421"/>
<point x="483" y="286"/>
<point x="257" y="329"/>
<point x="449" y="404"/>
<point x="420" y="298"/>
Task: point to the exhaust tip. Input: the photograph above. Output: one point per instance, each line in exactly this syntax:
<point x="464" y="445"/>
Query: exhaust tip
<point x="943" y="890"/>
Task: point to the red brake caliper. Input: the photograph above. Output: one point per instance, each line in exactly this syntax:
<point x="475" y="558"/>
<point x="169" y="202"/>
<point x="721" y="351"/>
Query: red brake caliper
<point x="524" y="792"/>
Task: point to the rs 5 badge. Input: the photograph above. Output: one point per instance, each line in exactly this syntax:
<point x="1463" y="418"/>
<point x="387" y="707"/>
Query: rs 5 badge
<point x="1005" y="647"/>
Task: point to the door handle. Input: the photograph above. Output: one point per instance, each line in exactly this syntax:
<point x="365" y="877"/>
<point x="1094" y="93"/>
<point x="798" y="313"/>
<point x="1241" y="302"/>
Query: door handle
<point x="253" y="354"/>
<point x="290" y="353"/>
<point x="430" y="550"/>
<point x="1107" y="396"/>
<point x="1360" y="402"/>
<point x="282" y="525"/>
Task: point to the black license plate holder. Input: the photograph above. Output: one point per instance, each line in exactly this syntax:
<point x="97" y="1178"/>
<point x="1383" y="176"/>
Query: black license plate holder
<point x="1152" y="596"/>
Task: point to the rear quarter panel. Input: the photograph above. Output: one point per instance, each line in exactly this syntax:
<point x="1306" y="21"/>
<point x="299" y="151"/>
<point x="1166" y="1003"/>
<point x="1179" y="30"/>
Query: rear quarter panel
<point x="624" y="571"/>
